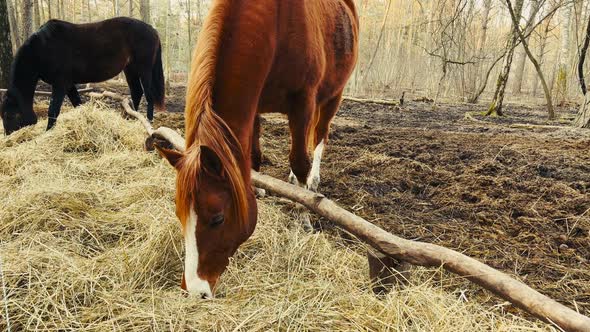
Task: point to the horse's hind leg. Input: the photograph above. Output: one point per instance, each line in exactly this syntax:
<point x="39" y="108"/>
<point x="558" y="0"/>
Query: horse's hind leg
<point x="256" y="153"/>
<point x="74" y="96"/>
<point x="327" y="113"/>
<point x="146" y="82"/>
<point x="58" y="95"/>
<point x="300" y="118"/>
<point x="135" y="88"/>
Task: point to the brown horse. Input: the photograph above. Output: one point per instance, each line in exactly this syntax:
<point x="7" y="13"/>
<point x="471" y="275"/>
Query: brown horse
<point x="286" y="56"/>
<point x="64" y="54"/>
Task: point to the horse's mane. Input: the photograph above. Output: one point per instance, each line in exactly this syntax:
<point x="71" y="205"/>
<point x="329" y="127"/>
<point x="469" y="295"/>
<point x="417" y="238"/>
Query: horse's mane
<point x="204" y="127"/>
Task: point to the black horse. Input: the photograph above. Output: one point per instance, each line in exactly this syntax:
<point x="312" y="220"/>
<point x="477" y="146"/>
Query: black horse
<point x="63" y="54"/>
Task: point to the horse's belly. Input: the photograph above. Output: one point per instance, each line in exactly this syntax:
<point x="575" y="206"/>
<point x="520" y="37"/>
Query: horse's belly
<point x="96" y="75"/>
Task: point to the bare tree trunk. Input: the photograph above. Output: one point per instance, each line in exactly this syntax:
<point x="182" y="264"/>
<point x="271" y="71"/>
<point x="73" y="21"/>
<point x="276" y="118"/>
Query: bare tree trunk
<point x="533" y="60"/>
<point x="116" y="8"/>
<point x="36" y="15"/>
<point x="498" y="101"/>
<point x="189" y="30"/>
<point x="541" y="53"/>
<point x="49" y="13"/>
<point x="583" y="52"/>
<point x="372" y="59"/>
<point x="130" y="8"/>
<point x="62" y="12"/>
<point x="481" y="46"/>
<point x="5" y="45"/>
<point x="168" y="46"/>
<point x="583" y="118"/>
<point x="521" y="56"/>
<point x="13" y="25"/>
<point x="562" y="69"/>
<point x="27" y="18"/>
<point x="144" y="9"/>
<point x="42" y="13"/>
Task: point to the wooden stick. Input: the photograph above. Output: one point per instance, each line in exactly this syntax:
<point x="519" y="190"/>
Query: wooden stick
<point x="414" y="252"/>
<point x="374" y="101"/>
<point x="535" y="126"/>
<point x="48" y="93"/>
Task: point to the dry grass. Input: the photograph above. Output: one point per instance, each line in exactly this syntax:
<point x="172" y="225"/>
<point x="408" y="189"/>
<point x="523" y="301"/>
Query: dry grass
<point x="89" y="240"/>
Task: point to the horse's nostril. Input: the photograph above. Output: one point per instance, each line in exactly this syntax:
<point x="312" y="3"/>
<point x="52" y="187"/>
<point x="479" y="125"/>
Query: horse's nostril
<point x="205" y="296"/>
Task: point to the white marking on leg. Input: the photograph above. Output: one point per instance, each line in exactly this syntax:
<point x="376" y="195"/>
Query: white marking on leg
<point x="293" y="179"/>
<point x="313" y="180"/>
<point x="194" y="284"/>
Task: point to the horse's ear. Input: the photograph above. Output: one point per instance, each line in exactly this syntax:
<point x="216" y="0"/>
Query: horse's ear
<point x="210" y="161"/>
<point x="172" y="156"/>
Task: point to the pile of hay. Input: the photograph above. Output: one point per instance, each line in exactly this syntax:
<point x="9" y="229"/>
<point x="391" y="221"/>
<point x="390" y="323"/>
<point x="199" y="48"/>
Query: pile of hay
<point x="89" y="240"/>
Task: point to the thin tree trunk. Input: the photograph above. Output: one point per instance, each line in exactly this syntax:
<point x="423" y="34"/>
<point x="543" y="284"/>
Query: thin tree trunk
<point x="5" y="45"/>
<point x="130" y="8"/>
<point x="498" y="101"/>
<point x="27" y="18"/>
<point x="583" y="118"/>
<point x="541" y="53"/>
<point x="89" y="10"/>
<point x="562" y="69"/>
<point x="13" y="25"/>
<point x="49" y="13"/>
<point x="36" y="15"/>
<point x="481" y="46"/>
<point x="583" y="58"/>
<point x="144" y="8"/>
<point x="168" y="46"/>
<point x="521" y="56"/>
<point x="533" y="60"/>
<point x="116" y="7"/>
<point x="372" y="59"/>
<point x="189" y="30"/>
<point x="62" y="12"/>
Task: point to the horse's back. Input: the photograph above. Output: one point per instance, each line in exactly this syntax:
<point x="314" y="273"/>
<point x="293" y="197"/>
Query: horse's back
<point x="93" y="52"/>
<point x="317" y="45"/>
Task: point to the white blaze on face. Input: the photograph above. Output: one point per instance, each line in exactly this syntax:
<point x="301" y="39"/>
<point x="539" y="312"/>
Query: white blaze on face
<point x="194" y="284"/>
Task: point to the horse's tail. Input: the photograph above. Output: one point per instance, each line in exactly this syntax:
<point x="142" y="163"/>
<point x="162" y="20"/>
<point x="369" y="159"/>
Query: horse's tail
<point x="158" y="81"/>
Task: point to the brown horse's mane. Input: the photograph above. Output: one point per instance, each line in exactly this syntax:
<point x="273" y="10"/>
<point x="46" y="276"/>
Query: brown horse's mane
<point x="204" y="127"/>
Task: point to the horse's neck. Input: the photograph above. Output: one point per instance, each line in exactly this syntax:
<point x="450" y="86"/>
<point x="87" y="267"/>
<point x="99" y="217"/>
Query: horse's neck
<point x="238" y="86"/>
<point x="24" y="78"/>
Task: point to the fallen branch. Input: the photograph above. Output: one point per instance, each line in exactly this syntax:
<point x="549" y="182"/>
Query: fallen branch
<point x="373" y="101"/>
<point x="469" y="116"/>
<point x="414" y="252"/>
<point x="535" y="126"/>
<point x="48" y="93"/>
<point x="162" y="133"/>
<point x="108" y="94"/>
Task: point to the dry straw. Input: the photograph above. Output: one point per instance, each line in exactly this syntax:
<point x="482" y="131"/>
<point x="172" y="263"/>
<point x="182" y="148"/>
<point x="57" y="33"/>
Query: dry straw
<point x="90" y="241"/>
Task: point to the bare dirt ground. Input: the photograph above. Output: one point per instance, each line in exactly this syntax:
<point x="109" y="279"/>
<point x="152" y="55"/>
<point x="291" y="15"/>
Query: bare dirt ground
<point x="516" y="198"/>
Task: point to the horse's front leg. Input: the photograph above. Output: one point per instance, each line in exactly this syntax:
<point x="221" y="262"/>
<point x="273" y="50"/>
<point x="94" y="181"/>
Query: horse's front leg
<point x="57" y="98"/>
<point x="74" y="96"/>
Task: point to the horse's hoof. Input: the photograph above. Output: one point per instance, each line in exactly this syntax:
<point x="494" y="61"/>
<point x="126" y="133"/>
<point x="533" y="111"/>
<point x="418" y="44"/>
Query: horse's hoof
<point x="260" y="193"/>
<point x="306" y="222"/>
<point x="313" y="183"/>
<point x="293" y="179"/>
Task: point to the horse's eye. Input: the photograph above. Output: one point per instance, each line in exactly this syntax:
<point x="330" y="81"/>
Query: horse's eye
<point x="217" y="220"/>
